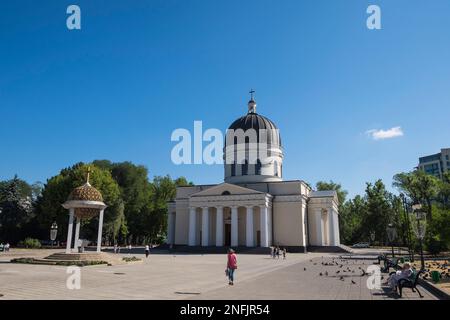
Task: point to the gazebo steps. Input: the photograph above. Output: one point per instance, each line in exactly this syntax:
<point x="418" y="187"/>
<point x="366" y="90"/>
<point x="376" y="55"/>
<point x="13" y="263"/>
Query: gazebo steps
<point x="88" y="256"/>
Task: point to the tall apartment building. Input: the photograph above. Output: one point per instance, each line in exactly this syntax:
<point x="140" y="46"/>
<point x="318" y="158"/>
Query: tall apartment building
<point x="436" y="164"/>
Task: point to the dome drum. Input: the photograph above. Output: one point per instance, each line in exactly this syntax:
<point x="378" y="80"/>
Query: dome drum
<point x="253" y="151"/>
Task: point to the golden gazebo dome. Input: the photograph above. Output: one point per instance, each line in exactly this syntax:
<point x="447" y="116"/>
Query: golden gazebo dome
<point x="85" y="193"/>
<point x="85" y="200"/>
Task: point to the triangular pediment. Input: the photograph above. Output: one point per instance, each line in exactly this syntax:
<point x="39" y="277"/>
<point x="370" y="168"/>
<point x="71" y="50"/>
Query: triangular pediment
<point x="225" y="189"/>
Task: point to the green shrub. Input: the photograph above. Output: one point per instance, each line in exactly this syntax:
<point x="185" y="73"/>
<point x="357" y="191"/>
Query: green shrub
<point x="30" y="243"/>
<point x="435" y="246"/>
<point x="80" y="263"/>
<point x="22" y="260"/>
<point x="58" y="263"/>
<point x="128" y="259"/>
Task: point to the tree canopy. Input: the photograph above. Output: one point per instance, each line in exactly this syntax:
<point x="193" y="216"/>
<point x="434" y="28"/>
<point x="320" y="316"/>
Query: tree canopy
<point x="136" y="212"/>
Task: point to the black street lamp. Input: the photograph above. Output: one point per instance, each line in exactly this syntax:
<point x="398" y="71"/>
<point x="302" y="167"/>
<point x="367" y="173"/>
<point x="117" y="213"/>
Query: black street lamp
<point x="53" y="232"/>
<point x="392" y="235"/>
<point x="420" y="230"/>
<point x="372" y="237"/>
<point x="407" y="227"/>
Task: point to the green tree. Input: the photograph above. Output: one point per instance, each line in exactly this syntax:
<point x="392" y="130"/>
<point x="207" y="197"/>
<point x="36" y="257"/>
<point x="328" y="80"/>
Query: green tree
<point x="420" y="187"/>
<point x="15" y="209"/>
<point x="351" y="216"/>
<point x="56" y="191"/>
<point x="379" y="211"/>
<point x="145" y="202"/>
<point x="341" y="193"/>
<point x="444" y="190"/>
<point x="136" y="194"/>
<point x="163" y="190"/>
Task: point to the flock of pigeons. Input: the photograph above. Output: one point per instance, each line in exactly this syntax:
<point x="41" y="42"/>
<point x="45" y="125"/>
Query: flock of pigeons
<point x="442" y="268"/>
<point x="345" y="268"/>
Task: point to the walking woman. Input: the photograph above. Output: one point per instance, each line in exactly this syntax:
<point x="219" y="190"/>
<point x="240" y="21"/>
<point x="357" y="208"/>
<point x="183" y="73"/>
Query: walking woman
<point x="231" y="266"/>
<point x="147" y="250"/>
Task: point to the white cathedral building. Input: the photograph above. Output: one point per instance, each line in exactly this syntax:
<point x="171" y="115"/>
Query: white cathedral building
<point x="254" y="206"/>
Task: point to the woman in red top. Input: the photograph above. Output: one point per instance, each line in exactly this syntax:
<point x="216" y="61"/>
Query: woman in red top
<point x="231" y="265"/>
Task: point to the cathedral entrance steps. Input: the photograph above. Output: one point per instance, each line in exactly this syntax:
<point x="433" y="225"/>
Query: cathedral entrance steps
<point x="330" y="249"/>
<point x="219" y="250"/>
<point x="347" y="248"/>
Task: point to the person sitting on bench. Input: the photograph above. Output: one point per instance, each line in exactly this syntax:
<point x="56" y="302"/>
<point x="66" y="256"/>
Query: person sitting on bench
<point x="404" y="273"/>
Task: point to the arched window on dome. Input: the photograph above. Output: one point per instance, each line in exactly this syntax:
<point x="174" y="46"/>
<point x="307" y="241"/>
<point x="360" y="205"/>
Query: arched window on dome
<point x="258" y="167"/>
<point x="275" y="168"/>
<point x="245" y="168"/>
<point x="233" y="169"/>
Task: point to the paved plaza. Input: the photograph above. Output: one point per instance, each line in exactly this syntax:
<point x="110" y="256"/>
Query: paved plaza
<point x="167" y="276"/>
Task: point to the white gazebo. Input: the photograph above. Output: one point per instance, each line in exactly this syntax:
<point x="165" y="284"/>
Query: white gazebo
<point x="84" y="202"/>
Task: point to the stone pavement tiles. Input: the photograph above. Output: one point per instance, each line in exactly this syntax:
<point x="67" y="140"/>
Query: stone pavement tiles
<point x="161" y="276"/>
<point x="167" y="276"/>
<point x="317" y="278"/>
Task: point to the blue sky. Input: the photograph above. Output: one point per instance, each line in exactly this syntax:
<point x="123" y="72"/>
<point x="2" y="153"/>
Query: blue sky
<point x="137" y="70"/>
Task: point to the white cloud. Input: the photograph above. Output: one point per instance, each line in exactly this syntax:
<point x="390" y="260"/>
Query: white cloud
<point x="380" y="134"/>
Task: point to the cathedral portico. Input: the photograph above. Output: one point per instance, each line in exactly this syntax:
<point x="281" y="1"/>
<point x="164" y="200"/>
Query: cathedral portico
<point x="230" y="219"/>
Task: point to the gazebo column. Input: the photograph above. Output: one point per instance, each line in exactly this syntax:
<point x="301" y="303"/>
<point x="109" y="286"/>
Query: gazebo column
<point x="77" y="233"/>
<point x="70" y="230"/>
<point x="100" y="228"/>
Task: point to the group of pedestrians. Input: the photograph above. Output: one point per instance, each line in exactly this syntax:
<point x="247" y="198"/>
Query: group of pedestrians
<point x="275" y="252"/>
<point x="117" y="248"/>
<point x="4" y="247"/>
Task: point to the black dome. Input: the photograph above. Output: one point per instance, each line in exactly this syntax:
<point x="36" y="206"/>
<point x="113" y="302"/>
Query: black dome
<point x="255" y="121"/>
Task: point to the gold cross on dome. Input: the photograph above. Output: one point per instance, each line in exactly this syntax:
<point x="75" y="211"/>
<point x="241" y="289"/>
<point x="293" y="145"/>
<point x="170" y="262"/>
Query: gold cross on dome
<point x="251" y="94"/>
<point x="88" y="174"/>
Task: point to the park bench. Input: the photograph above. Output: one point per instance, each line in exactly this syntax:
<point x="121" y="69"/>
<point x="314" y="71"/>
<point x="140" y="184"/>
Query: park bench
<point x="410" y="282"/>
<point x="390" y="263"/>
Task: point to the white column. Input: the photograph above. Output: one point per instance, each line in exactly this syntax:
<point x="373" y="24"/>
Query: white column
<point x="264" y="228"/>
<point x="249" y="227"/>
<point x="270" y="225"/>
<point x="70" y="230"/>
<point x="192" y="226"/>
<point x="234" y="227"/>
<point x="219" y="227"/>
<point x="170" y="228"/>
<point x="100" y="230"/>
<point x="304" y="226"/>
<point x="336" y="228"/>
<point x="331" y="225"/>
<point x="319" y="235"/>
<point x="77" y="234"/>
<point x="205" y="226"/>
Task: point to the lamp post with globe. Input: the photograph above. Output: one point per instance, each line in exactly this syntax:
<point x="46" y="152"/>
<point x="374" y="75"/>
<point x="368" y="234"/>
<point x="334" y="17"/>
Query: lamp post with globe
<point x="372" y="237"/>
<point x="407" y="226"/>
<point x="420" y="229"/>
<point x="53" y="232"/>
<point x="392" y="235"/>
